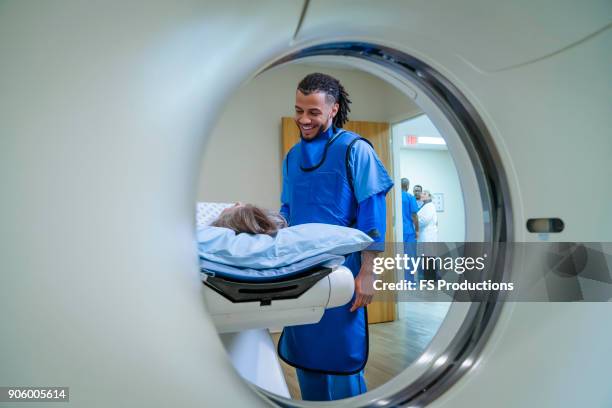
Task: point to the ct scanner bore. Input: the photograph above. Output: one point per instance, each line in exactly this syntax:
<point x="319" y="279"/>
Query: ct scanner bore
<point x="103" y="112"/>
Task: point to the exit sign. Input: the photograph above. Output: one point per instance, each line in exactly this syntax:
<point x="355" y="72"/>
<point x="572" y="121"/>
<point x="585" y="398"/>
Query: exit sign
<point x="410" y="140"/>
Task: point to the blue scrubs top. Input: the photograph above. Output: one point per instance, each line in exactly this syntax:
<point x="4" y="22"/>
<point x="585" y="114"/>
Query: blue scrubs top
<point x="372" y="209"/>
<point x="409" y="207"/>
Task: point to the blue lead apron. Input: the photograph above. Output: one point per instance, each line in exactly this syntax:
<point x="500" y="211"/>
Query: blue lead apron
<point x="338" y="344"/>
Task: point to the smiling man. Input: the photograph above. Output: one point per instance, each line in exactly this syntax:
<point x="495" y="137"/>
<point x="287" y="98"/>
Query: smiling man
<point x="333" y="176"/>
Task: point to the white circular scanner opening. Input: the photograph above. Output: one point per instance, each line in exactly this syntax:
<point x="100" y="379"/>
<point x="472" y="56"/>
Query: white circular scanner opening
<point x="464" y="326"/>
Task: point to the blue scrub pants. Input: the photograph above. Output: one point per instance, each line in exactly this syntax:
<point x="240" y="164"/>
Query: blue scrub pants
<point x="327" y="387"/>
<point x="410" y="249"/>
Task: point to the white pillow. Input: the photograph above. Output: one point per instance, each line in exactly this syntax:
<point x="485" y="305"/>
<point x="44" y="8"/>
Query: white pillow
<point x="206" y="213"/>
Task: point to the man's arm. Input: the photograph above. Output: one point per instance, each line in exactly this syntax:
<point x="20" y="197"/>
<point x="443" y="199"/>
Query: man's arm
<point x="414" y="208"/>
<point x="364" y="282"/>
<point x="371" y="219"/>
<point x="285" y="211"/>
<point x="371" y="182"/>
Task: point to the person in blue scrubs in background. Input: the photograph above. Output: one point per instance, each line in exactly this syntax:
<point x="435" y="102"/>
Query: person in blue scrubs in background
<point x="409" y="214"/>
<point x="410" y="225"/>
<point x="333" y="176"/>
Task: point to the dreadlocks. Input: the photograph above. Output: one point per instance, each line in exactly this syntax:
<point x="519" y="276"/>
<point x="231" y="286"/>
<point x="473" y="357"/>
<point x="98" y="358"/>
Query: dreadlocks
<point x="334" y="93"/>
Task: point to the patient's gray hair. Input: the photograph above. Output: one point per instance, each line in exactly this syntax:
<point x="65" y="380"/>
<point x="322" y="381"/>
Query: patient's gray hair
<point x="250" y="219"/>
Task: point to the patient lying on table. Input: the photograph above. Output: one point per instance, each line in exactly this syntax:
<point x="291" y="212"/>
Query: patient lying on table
<point x="250" y="219"/>
<point x="250" y="243"/>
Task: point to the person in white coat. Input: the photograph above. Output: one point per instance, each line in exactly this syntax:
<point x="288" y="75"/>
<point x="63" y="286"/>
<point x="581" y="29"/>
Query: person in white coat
<point x="428" y="232"/>
<point x="428" y="219"/>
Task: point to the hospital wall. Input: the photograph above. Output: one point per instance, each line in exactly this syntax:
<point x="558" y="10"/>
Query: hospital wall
<point x="435" y="171"/>
<point x="242" y="161"/>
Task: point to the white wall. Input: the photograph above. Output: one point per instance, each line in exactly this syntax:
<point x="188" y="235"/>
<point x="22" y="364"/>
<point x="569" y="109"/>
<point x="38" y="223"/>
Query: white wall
<point x="242" y="160"/>
<point x="435" y="171"/>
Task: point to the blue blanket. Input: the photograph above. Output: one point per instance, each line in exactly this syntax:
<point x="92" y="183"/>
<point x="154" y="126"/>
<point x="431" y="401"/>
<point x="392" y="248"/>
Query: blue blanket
<point x="289" y="246"/>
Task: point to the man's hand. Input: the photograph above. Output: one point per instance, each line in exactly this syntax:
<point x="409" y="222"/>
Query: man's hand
<point x="416" y="235"/>
<point x="364" y="282"/>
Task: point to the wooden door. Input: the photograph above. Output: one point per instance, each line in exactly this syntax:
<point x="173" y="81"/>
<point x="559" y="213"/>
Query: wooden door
<point x="376" y="133"/>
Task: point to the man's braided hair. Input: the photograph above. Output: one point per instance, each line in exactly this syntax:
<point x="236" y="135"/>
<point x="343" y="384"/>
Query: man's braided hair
<point x="334" y="92"/>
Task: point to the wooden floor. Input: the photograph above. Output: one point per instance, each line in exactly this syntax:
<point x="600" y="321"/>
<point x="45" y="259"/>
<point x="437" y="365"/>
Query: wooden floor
<point x="393" y="346"/>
